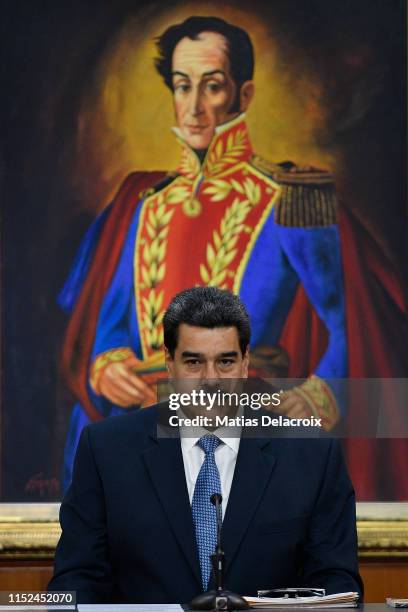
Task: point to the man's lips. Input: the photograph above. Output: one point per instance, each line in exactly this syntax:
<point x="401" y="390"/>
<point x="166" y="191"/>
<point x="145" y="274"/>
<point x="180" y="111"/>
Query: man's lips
<point x="196" y="129"/>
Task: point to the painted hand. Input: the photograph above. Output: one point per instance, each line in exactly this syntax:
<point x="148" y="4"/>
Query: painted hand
<point x="120" y="385"/>
<point x="293" y="405"/>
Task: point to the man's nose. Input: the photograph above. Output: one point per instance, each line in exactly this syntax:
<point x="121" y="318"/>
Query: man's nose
<point x="195" y="107"/>
<point x="209" y="374"/>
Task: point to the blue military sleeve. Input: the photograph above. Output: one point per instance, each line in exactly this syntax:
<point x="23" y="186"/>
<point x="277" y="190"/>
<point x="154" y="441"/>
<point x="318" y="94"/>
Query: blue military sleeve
<point x="117" y="323"/>
<point x="69" y="293"/>
<point x="314" y="253"/>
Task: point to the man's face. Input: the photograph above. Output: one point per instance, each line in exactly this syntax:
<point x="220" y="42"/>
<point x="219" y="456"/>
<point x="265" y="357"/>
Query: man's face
<point x="207" y="359"/>
<point x="204" y="89"/>
<point x="206" y="354"/>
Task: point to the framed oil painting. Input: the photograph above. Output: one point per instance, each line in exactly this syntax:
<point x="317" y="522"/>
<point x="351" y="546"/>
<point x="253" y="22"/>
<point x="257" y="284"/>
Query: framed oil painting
<point x="114" y="199"/>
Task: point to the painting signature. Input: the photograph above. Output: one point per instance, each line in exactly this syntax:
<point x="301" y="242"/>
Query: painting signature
<point x="41" y="485"/>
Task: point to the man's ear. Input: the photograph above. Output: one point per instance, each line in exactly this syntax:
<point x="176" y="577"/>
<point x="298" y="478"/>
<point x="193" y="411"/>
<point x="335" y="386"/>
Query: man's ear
<point x="168" y="360"/>
<point x="245" y="95"/>
<point x="245" y="364"/>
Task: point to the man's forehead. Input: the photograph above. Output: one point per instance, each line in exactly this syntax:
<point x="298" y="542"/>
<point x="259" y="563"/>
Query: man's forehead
<point x="207" y="52"/>
<point x="205" y="340"/>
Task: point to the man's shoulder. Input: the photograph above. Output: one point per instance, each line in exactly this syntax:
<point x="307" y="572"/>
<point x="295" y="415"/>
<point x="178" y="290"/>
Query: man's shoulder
<point x="144" y="184"/>
<point x="121" y="429"/>
<point x="308" y="197"/>
<point x="306" y="453"/>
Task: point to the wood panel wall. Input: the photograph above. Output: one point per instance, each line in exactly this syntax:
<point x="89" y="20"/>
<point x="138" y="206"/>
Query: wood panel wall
<point x="382" y="577"/>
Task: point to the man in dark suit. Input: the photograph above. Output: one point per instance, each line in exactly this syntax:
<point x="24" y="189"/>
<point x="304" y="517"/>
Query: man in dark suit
<point x="137" y="523"/>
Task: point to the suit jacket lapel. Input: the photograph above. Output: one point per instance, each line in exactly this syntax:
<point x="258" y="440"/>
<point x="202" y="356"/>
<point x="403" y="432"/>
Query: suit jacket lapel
<point x="164" y="461"/>
<point x="252" y="472"/>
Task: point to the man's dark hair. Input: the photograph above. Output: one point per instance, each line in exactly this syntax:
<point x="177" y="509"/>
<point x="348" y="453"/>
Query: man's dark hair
<point x="240" y="50"/>
<point x="206" y="307"/>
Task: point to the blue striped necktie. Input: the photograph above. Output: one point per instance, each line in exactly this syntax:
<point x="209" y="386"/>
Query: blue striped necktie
<point x="204" y="514"/>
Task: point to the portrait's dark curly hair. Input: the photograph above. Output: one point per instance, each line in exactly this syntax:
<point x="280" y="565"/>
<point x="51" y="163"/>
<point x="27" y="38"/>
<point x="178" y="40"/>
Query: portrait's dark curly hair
<point x="240" y="49"/>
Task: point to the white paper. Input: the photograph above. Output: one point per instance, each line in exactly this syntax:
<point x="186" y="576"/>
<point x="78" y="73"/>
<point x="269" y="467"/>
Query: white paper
<point x="337" y="600"/>
<point x="397" y="603"/>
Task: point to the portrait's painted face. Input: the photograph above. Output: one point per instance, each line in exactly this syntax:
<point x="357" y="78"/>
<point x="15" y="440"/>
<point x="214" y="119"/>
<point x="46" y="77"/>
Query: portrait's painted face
<point x="203" y="87"/>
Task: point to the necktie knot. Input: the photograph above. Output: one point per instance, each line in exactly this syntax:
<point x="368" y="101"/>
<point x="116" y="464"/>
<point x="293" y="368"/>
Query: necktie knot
<point x="209" y="443"/>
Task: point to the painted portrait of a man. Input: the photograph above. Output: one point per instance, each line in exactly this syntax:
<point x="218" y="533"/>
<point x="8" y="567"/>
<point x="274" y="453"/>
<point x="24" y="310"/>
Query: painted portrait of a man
<point x="225" y="218"/>
<point x="275" y="230"/>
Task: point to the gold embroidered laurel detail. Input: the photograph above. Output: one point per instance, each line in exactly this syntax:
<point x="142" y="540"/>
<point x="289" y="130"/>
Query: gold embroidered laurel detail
<point x="153" y="318"/>
<point x="226" y="152"/>
<point x="192" y="207"/>
<point x="105" y="359"/>
<point x="222" y="251"/>
<point x="178" y="192"/>
<point x="189" y="164"/>
<point x="153" y="267"/>
<point x="320" y="400"/>
<point x="219" y="189"/>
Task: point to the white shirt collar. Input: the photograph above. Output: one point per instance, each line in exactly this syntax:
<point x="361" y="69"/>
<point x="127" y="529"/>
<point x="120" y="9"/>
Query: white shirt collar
<point x="223" y="433"/>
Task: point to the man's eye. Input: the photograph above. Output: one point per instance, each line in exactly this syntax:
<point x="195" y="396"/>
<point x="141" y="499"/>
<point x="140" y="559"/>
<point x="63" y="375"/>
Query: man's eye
<point x="227" y="362"/>
<point x="182" y="87"/>
<point x="214" y="87"/>
<point x="192" y="362"/>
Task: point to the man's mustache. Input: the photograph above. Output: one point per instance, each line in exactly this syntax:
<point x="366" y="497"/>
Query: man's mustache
<point x="208" y="387"/>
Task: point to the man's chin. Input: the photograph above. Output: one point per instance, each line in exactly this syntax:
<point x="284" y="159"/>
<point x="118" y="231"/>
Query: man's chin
<point x="198" y="141"/>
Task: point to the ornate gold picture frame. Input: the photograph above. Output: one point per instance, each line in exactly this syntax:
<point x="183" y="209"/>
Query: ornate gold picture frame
<point x="29" y="531"/>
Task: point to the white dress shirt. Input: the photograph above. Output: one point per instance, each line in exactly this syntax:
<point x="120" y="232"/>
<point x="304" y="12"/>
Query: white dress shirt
<point x="225" y="458"/>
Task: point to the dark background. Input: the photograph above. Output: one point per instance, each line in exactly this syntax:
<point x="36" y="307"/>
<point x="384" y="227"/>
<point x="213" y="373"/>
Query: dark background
<point x="51" y="50"/>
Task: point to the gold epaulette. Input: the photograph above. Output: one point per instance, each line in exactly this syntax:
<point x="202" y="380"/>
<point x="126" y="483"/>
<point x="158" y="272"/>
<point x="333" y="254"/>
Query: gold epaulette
<point x="164" y="182"/>
<point x="308" y="197"/>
